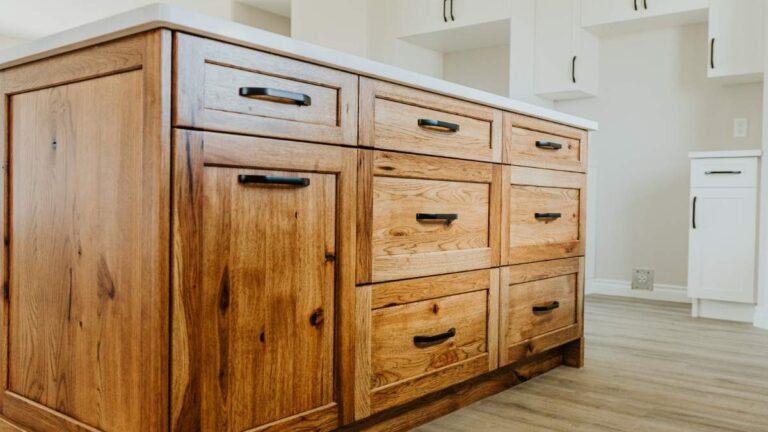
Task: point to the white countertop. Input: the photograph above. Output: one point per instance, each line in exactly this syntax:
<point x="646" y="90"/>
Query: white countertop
<point x="725" y="154"/>
<point x="164" y="16"/>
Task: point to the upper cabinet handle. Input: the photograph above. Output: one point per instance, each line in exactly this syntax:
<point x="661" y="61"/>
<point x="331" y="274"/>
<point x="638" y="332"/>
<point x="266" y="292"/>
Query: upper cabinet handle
<point x="273" y="180"/>
<point x="573" y="69"/>
<point x="712" y="53"/>
<point x="548" y="308"/>
<point x="721" y="172"/>
<point x="276" y="95"/>
<point x="645" y="4"/>
<point x="549" y="145"/>
<point x="452" y="18"/>
<point x="437" y="124"/>
<point x="445" y="18"/>
<point x="635" y="4"/>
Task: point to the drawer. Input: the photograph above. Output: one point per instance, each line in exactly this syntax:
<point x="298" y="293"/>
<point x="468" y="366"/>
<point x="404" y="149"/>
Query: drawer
<point x="423" y="215"/>
<point x="394" y="117"/>
<point x="537" y="143"/>
<point x="543" y="215"/>
<point x="427" y="334"/>
<point x="724" y="172"/>
<point x="229" y="88"/>
<point x="540" y="307"/>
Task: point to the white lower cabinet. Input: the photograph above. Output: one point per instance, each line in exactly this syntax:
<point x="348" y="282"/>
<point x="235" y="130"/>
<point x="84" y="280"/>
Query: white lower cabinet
<point x="722" y="230"/>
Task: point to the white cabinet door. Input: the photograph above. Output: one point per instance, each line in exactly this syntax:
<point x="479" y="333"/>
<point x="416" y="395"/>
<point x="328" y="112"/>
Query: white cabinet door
<point x="736" y="39"/>
<point x="652" y="8"/>
<point x="596" y="12"/>
<point x="721" y="255"/>
<point x="566" y="56"/>
<point x="416" y="17"/>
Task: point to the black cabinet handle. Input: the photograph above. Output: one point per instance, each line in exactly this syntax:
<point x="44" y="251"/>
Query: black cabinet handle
<point x="445" y="217"/>
<point x="276" y="95"/>
<point x="712" y="53"/>
<point x="573" y="69"/>
<point x="693" y="218"/>
<point x="444" y="17"/>
<point x="417" y="340"/>
<point x="273" y="180"/>
<point x="548" y="308"/>
<point x="548" y="216"/>
<point x="635" y="4"/>
<point x="437" y="124"/>
<point x="452" y="18"/>
<point x="645" y="4"/>
<point x="722" y="172"/>
<point x="549" y="145"/>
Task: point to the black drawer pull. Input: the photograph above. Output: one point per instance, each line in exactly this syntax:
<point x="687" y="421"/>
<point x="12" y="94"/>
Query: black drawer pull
<point x="437" y="124"/>
<point x="693" y="218"/>
<point x="548" y="308"/>
<point x="549" y="145"/>
<point x="418" y="340"/>
<point x="722" y="172"/>
<point x="273" y="180"/>
<point x="276" y="95"/>
<point x="548" y="216"/>
<point x="445" y="217"/>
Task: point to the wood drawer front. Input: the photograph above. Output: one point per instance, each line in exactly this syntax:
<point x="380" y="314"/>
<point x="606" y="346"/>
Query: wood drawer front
<point x="541" y="144"/>
<point x="210" y="76"/>
<point x="540" y="307"/>
<point x="390" y="114"/>
<point x="406" y="189"/>
<point x="456" y="313"/>
<point x="543" y="215"/>
<point x="724" y="172"/>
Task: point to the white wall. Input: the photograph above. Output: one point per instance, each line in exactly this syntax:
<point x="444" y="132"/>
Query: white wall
<point x="483" y="68"/>
<point x="761" y="312"/>
<point x="337" y="24"/>
<point x="259" y="18"/>
<point x="655" y="106"/>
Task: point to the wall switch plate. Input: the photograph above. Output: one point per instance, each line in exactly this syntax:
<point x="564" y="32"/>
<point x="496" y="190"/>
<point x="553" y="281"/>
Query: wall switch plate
<point x="740" y="128"/>
<point x="642" y="279"/>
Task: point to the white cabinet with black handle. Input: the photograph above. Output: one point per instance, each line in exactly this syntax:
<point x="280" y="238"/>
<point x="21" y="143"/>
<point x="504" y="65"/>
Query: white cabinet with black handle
<point x="722" y="235"/>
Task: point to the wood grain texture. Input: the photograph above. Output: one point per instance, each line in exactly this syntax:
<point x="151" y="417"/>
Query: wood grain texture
<point x="673" y="373"/>
<point x="209" y="75"/>
<point x="87" y="315"/>
<point x="521" y="134"/>
<point x="238" y="336"/>
<point x="398" y="186"/>
<point x="530" y="191"/>
<point x="396" y="357"/>
<point x="412" y="290"/>
<point x="389" y="116"/>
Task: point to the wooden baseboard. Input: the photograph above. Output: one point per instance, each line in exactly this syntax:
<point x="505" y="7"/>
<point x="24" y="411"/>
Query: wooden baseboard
<point x="428" y="408"/>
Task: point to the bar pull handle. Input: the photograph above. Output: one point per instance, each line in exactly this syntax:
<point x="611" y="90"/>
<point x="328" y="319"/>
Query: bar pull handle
<point x="635" y="5"/>
<point x="438" y="125"/>
<point x="276" y="95"/>
<point x="547" y="216"/>
<point x="444" y="17"/>
<point x="548" y="308"/>
<point x="733" y="172"/>
<point x="273" y="180"/>
<point x="645" y="4"/>
<point x="549" y="145"/>
<point x="420" y="340"/>
<point x="452" y="18"/>
<point x="573" y="69"/>
<point x="712" y="53"/>
<point x="693" y="218"/>
<point x="445" y="217"/>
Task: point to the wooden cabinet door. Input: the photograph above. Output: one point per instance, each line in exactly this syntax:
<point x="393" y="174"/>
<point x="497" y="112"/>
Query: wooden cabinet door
<point x="722" y="233"/>
<point x="85" y="322"/>
<point x="266" y="311"/>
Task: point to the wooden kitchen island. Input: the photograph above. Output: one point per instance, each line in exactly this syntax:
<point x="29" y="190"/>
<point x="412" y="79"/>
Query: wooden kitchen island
<point x="208" y="227"/>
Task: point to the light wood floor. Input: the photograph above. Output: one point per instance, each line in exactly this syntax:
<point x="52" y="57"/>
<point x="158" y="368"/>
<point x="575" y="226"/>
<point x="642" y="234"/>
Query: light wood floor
<point x="650" y="367"/>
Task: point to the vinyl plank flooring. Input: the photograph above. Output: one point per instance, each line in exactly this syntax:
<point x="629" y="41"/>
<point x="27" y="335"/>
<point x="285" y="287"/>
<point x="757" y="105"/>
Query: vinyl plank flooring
<point x="650" y="367"/>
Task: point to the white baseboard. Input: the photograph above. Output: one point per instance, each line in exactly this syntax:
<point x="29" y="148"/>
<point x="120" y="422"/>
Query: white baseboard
<point x="661" y="292"/>
<point x="761" y="317"/>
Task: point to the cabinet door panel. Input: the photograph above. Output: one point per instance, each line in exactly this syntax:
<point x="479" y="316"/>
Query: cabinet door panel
<point x="736" y="39"/>
<point x="721" y="258"/>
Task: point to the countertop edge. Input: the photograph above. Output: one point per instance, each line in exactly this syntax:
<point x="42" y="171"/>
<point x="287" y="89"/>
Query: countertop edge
<point x="725" y="154"/>
<point x="160" y="15"/>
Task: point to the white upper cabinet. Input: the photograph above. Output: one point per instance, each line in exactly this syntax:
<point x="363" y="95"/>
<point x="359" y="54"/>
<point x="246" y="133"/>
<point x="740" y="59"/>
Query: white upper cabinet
<point x="618" y="16"/>
<point x="566" y="57"/>
<point x="736" y="40"/>
<point x="418" y="18"/>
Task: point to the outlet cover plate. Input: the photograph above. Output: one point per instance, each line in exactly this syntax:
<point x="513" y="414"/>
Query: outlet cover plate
<point x="642" y="279"/>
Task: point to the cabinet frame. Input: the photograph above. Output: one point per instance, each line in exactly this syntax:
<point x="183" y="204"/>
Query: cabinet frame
<point x="193" y="151"/>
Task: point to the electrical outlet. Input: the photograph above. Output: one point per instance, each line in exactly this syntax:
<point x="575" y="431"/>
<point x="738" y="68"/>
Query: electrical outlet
<point x="642" y="280"/>
<point x="740" y="128"/>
